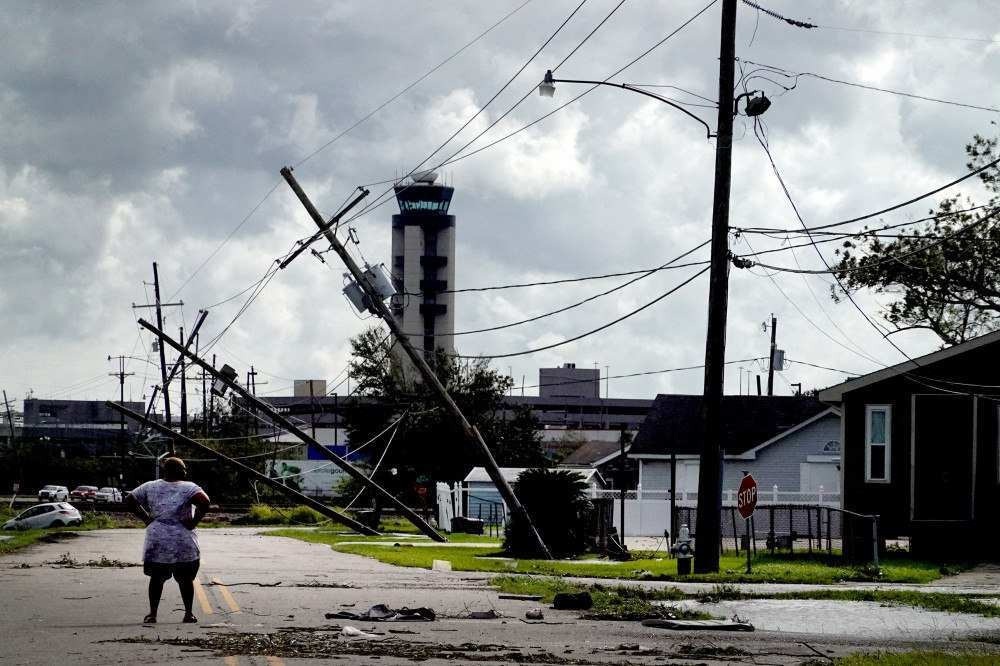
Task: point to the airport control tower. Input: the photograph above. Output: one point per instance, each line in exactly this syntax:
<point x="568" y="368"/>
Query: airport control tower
<point x="423" y="264"/>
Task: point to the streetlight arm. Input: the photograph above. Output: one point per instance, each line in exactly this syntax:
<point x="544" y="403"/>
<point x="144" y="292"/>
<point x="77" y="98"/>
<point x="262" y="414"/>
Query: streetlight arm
<point x="625" y="86"/>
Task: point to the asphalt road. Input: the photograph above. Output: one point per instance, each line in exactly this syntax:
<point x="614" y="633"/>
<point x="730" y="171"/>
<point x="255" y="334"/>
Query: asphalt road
<point x="262" y="600"/>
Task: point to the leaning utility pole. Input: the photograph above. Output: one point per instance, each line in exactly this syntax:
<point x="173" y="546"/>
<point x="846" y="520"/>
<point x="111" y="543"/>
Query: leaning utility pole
<point x="471" y="433"/>
<point x="709" y="521"/>
<point x="774" y="348"/>
<point x="273" y="483"/>
<point x="280" y="419"/>
<point x="10" y="419"/>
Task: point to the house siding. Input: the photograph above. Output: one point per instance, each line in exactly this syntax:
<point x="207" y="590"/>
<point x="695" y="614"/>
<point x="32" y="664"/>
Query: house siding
<point x="893" y="501"/>
<point x="778" y="464"/>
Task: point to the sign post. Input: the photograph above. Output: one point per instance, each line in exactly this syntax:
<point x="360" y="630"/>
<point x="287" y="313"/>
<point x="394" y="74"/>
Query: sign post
<point x="746" y="502"/>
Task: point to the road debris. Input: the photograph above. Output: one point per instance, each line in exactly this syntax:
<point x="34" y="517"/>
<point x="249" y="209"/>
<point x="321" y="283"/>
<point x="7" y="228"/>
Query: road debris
<point x="687" y="625"/>
<point x="520" y="597"/>
<point x="573" y="601"/>
<point x="441" y="565"/>
<point x="534" y="614"/>
<point x="353" y="632"/>
<point x="219" y="582"/>
<point x="382" y="613"/>
<point x="490" y="614"/>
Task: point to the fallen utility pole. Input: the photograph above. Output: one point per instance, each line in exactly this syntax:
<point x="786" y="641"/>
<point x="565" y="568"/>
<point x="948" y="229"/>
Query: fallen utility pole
<point x="10" y="419"/>
<point x="275" y="417"/>
<point x="274" y="483"/>
<point x="471" y="433"/>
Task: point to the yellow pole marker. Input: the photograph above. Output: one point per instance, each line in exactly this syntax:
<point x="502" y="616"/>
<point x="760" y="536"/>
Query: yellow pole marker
<point x="199" y="593"/>
<point x="227" y="596"/>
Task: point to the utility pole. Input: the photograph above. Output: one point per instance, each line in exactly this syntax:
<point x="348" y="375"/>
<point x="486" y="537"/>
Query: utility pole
<point x="121" y="375"/>
<point x="312" y="410"/>
<point x="163" y="359"/>
<point x="471" y="433"/>
<point x="252" y="383"/>
<point x="184" y="399"/>
<point x="774" y="348"/>
<point x="211" y="401"/>
<point x="709" y="520"/>
<point x="10" y="419"/>
<point x="204" y="398"/>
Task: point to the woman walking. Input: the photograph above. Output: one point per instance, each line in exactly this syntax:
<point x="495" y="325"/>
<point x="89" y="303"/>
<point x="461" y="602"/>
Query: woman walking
<point x="171" y="508"/>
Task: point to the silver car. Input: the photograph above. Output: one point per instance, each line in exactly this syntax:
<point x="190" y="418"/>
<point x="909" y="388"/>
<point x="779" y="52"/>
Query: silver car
<point x="109" y="494"/>
<point x="53" y="494"/>
<point x="53" y="514"/>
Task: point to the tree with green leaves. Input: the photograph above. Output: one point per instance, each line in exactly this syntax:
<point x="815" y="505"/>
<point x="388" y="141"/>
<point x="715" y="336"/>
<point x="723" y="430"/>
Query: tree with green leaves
<point x="943" y="275"/>
<point x="429" y="444"/>
<point x="556" y="500"/>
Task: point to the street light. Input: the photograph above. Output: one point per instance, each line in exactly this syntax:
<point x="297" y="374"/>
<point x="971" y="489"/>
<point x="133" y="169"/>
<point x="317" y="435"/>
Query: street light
<point x="708" y="522"/>
<point x="547" y="88"/>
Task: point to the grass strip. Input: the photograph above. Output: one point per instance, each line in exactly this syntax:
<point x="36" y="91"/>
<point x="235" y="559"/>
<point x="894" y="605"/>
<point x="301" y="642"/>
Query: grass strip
<point x="934" y="601"/>
<point x="616" y="602"/>
<point x="767" y="568"/>
<point x="919" y="658"/>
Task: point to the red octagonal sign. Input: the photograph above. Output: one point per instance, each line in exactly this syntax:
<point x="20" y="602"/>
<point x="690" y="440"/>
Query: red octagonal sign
<point x="746" y="497"/>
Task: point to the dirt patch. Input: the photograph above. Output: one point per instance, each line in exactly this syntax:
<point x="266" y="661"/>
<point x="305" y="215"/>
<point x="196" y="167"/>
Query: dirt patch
<point x="320" y="645"/>
<point x="58" y="537"/>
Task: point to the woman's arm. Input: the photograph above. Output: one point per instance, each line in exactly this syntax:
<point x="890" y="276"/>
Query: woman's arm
<point x="200" y="502"/>
<point x="137" y="509"/>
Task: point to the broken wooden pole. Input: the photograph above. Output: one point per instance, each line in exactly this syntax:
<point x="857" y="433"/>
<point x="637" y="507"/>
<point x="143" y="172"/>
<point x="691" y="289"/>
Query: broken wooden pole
<point x="274" y="483"/>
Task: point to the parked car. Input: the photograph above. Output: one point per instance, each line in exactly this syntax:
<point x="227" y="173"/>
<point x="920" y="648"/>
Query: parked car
<point x="108" y="494"/>
<point x="83" y="493"/>
<point x="53" y="514"/>
<point x="53" y="494"/>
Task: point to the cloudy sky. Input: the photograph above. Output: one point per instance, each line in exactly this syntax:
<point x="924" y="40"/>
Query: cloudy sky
<point x="141" y="132"/>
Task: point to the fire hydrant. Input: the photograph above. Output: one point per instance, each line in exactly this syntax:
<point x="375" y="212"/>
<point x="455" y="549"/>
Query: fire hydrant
<point x="683" y="550"/>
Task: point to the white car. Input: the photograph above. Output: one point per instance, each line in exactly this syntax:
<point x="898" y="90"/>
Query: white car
<point x="53" y="494"/>
<point x="53" y="514"/>
<point x="109" y="494"/>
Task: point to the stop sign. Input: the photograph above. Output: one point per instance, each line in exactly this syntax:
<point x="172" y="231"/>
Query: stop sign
<point x="746" y="497"/>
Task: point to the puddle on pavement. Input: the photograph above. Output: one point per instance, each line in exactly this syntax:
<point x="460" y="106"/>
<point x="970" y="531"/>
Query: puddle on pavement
<point x="853" y="618"/>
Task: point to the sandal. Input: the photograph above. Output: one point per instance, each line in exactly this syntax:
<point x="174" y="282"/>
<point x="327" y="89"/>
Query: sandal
<point x="149" y="619"/>
<point x="189" y="618"/>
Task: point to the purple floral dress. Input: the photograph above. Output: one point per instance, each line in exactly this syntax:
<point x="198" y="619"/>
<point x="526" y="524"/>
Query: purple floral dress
<point x="168" y="502"/>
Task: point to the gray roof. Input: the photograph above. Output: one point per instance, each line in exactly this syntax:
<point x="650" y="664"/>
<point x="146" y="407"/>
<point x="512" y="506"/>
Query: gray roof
<point x="835" y="394"/>
<point x="674" y="424"/>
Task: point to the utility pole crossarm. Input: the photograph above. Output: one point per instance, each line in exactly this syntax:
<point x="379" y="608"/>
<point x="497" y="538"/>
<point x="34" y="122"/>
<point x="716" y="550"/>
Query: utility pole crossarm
<point x="276" y="417"/>
<point x="471" y="433"/>
<point x="277" y="485"/>
<point x="323" y="229"/>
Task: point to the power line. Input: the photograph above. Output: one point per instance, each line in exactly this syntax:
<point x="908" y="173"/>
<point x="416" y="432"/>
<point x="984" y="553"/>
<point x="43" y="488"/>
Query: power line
<point x="640" y="374"/>
<point x="592" y="331"/>
<point x="983" y="40"/>
<point x="578" y="303"/>
<point x="796" y="75"/>
<point x="411" y="85"/>
<point x="458" y="157"/>
<point x="776" y="15"/>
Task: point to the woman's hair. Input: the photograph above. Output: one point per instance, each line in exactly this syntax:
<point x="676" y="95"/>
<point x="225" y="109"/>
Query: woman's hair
<point x="174" y="468"/>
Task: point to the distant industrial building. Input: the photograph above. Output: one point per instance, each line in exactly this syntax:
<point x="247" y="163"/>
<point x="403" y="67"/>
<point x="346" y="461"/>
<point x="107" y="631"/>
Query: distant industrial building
<point x="569" y="381"/>
<point x="423" y="265"/>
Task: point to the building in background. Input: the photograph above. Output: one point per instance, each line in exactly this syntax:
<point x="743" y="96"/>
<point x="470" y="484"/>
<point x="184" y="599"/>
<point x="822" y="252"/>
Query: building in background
<point x="423" y="265"/>
<point x="569" y="381"/>
<point x="308" y="388"/>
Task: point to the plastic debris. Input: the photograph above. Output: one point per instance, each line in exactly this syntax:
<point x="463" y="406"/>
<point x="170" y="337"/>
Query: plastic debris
<point x="483" y="615"/>
<point x="382" y="613"/>
<point x="353" y="632"/>
<point x="534" y="614"/>
<point x="441" y="565"/>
